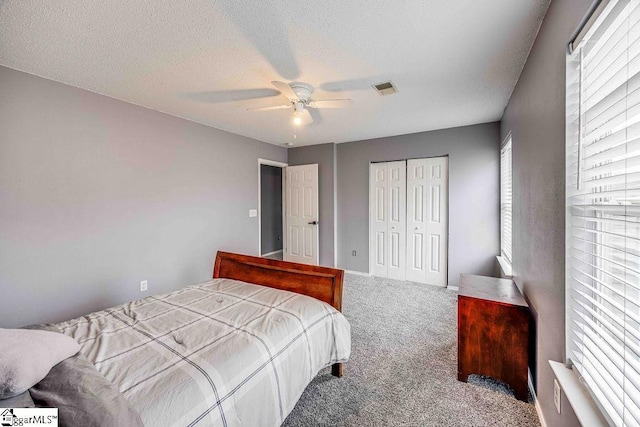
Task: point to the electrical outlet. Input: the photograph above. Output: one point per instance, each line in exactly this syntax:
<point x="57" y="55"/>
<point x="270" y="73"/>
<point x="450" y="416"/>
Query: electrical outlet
<point x="556" y="394"/>
<point x="143" y="286"/>
<point x="353" y="253"/>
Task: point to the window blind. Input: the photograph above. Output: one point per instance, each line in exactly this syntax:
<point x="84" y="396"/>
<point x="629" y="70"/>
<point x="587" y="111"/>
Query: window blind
<point x="603" y="211"/>
<point x="505" y="201"/>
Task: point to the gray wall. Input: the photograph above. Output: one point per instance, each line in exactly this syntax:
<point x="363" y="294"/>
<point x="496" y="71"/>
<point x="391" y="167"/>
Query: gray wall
<point x="536" y="117"/>
<point x="324" y="156"/>
<point x="474" y="194"/>
<point x="270" y="209"/>
<point x="97" y="194"/>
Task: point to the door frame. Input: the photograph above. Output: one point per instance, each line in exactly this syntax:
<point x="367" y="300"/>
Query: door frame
<point x="448" y="210"/>
<point x="282" y="166"/>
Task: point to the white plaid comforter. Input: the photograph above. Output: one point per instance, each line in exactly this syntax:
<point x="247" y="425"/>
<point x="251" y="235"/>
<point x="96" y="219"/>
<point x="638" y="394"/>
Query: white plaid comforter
<point x="218" y="353"/>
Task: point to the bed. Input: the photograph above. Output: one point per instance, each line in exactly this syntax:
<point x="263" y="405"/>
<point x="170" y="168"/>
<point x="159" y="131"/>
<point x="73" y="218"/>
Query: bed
<point x="237" y="350"/>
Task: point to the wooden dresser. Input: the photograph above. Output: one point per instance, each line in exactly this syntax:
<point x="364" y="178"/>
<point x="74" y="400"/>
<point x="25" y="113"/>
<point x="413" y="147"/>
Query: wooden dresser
<point x="493" y="331"/>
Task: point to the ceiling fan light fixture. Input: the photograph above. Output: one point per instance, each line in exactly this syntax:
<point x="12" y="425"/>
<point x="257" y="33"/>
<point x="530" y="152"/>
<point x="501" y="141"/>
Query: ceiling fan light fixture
<point x="299" y="96"/>
<point x="298" y="109"/>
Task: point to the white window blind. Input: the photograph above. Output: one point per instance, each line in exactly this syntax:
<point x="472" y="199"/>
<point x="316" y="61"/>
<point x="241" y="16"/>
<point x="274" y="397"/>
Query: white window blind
<point x="505" y="201"/>
<point x="603" y="211"/>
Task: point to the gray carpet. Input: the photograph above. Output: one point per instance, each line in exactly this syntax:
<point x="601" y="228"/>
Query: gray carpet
<point x="403" y="366"/>
<point x="277" y="255"/>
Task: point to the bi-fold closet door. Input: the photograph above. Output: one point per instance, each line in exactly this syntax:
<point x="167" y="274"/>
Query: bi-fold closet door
<point x="388" y="219"/>
<point x="409" y="213"/>
<point x="427" y="217"/>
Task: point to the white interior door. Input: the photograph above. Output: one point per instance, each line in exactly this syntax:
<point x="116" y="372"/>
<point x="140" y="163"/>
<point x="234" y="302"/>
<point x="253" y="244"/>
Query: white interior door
<point x="437" y="220"/>
<point x="397" y="220"/>
<point x="301" y="212"/>
<point x="427" y="204"/>
<point x="416" y="220"/>
<point x="379" y="221"/>
<point x="409" y="220"/>
<point x="388" y="219"/>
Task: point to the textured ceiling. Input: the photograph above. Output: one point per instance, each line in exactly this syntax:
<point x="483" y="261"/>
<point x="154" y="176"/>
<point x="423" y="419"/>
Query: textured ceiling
<point x="454" y="62"/>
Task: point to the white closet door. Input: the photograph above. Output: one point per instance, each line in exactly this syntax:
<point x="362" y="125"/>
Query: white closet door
<point x="437" y="194"/>
<point x="409" y="220"/>
<point x="416" y="220"/>
<point x="397" y="213"/>
<point x="378" y="213"/>
<point x="388" y="219"/>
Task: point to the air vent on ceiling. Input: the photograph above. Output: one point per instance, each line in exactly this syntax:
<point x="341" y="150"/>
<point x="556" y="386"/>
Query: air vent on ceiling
<point x="386" y="88"/>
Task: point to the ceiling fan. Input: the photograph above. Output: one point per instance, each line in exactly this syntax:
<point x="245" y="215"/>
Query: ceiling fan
<point x="299" y="96"/>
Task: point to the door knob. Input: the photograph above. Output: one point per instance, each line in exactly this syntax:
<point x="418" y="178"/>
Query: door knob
<point x="393" y="228"/>
<point x="313" y="223"/>
<point x="417" y="228"/>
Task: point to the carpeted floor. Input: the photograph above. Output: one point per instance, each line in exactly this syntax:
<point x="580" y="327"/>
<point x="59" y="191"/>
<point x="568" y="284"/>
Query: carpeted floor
<point x="403" y="366"/>
<point x="277" y="255"/>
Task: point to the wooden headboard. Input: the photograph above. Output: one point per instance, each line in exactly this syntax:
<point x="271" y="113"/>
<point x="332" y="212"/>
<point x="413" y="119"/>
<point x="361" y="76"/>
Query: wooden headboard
<point x="322" y="283"/>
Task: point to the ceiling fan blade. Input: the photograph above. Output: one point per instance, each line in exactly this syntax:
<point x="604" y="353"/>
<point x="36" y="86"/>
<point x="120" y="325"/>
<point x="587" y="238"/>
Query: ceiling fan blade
<point x="285" y="89"/>
<point x="273" y="107"/>
<point x="306" y="117"/>
<point x="331" y="103"/>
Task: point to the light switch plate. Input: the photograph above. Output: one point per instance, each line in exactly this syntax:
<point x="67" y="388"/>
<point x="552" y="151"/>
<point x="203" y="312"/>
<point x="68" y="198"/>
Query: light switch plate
<point x="253" y="213"/>
<point x="143" y="286"/>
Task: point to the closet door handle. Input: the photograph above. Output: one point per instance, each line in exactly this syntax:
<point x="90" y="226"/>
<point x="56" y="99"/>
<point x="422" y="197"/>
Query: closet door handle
<point x="313" y="223"/>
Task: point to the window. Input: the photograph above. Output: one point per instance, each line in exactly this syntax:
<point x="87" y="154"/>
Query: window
<point x="603" y="209"/>
<point x="505" y="200"/>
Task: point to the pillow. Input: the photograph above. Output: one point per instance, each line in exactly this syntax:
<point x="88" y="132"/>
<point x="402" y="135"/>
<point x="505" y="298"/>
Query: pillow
<point x="28" y="355"/>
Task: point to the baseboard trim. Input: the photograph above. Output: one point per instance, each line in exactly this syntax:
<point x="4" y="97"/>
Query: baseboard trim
<point x="271" y="253"/>
<point x="453" y="288"/>
<point x="358" y="273"/>
<point x="543" y="423"/>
